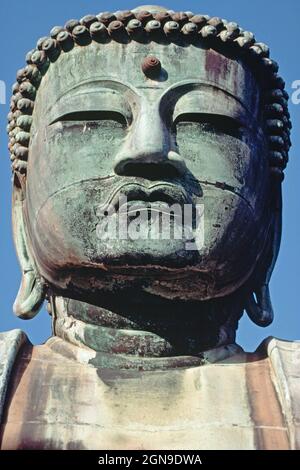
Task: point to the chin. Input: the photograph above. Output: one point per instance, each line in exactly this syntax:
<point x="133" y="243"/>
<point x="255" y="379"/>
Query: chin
<point x="170" y="274"/>
<point x="159" y="254"/>
<point x="128" y="283"/>
<point x="161" y="267"/>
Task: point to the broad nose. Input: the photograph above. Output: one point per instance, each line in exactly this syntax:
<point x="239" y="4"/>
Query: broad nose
<point x="149" y="150"/>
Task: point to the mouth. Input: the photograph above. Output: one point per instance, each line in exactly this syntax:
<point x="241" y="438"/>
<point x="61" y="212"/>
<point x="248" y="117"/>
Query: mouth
<point x="164" y="193"/>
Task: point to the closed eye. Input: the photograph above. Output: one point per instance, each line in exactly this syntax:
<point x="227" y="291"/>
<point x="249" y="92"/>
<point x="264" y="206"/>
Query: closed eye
<point x="210" y="122"/>
<point x="93" y="116"/>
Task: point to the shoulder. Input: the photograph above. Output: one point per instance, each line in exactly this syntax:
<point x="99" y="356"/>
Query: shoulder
<point x="284" y="357"/>
<point x="10" y="344"/>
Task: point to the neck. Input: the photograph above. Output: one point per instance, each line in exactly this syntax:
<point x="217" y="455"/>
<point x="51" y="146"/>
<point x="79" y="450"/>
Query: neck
<point x="148" y="329"/>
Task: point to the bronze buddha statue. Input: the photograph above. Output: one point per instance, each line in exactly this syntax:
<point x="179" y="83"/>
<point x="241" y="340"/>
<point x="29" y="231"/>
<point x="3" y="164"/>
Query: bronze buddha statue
<point x="159" y="108"/>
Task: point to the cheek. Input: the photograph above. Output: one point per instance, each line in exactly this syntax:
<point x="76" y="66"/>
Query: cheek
<point x="63" y="155"/>
<point x="239" y="162"/>
<point x="63" y="229"/>
<point x="234" y="236"/>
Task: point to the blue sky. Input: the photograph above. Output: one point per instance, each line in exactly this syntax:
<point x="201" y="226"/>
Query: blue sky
<point x="276" y="23"/>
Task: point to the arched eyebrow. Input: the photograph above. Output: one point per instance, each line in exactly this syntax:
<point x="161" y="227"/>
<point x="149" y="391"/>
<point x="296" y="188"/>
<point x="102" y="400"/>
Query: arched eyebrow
<point x="172" y="97"/>
<point x="94" y="96"/>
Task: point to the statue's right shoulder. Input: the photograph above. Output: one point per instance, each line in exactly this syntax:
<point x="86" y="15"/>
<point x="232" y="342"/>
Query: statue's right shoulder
<point x="10" y="344"/>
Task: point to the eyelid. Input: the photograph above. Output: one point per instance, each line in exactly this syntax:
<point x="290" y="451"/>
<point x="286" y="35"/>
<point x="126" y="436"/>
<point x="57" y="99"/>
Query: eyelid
<point x="217" y="119"/>
<point x="93" y="116"/>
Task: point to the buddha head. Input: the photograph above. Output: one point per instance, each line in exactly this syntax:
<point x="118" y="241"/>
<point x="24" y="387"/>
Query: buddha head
<point x="160" y="108"/>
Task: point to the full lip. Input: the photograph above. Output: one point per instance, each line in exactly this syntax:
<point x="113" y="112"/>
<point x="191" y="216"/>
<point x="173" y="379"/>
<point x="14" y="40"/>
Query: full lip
<point x="159" y="192"/>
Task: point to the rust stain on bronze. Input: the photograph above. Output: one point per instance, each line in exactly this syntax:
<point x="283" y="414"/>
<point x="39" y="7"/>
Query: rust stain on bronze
<point x="216" y="65"/>
<point x="27" y="395"/>
<point x="16" y="404"/>
<point x="270" y="428"/>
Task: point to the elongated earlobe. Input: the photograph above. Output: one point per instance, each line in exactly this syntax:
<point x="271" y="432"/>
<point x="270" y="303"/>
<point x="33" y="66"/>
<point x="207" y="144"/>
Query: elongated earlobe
<point x="260" y="309"/>
<point x="30" y="297"/>
<point x="32" y="290"/>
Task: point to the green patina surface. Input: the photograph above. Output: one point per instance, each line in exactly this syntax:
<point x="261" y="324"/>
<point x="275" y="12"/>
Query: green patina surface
<point x="159" y="118"/>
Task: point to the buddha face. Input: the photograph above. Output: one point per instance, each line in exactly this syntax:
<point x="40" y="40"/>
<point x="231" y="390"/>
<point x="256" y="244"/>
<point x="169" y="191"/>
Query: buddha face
<point x="191" y="136"/>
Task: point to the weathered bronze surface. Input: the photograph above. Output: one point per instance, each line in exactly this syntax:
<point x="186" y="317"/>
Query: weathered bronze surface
<point x="158" y="107"/>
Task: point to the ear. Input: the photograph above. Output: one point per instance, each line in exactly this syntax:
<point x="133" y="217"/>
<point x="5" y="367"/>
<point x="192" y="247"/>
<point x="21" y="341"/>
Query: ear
<point x="260" y="309"/>
<point x="31" y="293"/>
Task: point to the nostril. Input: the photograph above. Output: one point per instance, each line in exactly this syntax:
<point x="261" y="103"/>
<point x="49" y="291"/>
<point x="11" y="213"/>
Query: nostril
<point x="150" y="170"/>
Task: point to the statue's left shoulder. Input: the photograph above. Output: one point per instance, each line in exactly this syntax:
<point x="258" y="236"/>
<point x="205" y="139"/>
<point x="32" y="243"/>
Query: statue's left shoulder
<point x="10" y="344"/>
<point x="285" y="368"/>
